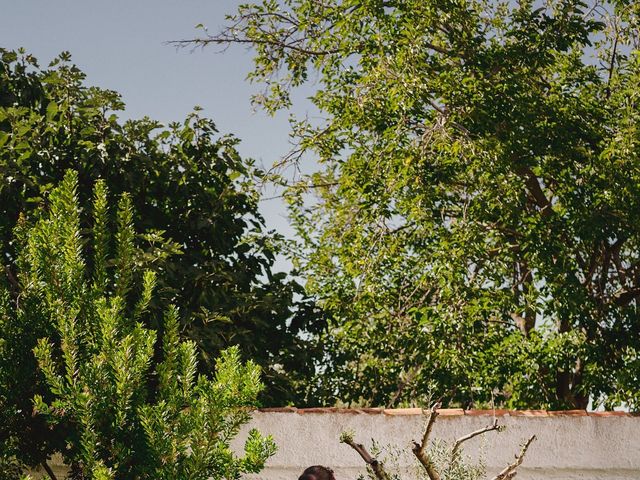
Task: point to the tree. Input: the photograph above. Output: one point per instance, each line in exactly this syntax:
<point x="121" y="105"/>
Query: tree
<point x="438" y="460"/>
<point x="184" y="180"/>
<point x="104" y="398"/>
<point x="472" y="229"/>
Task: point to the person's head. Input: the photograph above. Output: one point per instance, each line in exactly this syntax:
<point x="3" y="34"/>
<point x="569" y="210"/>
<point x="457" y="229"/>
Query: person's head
<point x="317" y="472"/>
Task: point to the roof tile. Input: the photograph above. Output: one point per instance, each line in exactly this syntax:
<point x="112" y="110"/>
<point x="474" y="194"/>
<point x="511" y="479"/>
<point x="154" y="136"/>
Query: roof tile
<point x="496" y="412"/>
<point x="451" y="412"/>
<point x="402" y="411"/>
<point x="372" y="410"/>
<point x="278" y="410"/>
<point x="610" y="414"/>
<point x="529" y="413"/>
<point x="447" y="412"/>
<point x="568" y="413"/>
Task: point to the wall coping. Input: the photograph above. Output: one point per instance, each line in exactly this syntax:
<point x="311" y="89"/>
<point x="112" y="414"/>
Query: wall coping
<point x="449" y="412"/>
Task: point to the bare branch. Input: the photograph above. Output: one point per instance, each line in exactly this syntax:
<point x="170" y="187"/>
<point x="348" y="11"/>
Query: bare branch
<point x="228" y="40"/>
<point x="442" y="50"/>
<point x="612" y="63"/>
<point x="420" y="449"/>
<point x="461" y="440"/>
<point x="510" y="470"/>
<point x="282" y="31"/>
<point x="376" y="466"/>
<point x="47" y="469"/>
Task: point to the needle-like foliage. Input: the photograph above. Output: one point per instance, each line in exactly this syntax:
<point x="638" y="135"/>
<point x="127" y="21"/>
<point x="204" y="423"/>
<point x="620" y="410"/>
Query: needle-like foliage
<point x="118" y="403"/>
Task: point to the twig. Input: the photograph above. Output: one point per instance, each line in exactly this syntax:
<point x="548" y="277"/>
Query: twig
<point x="373" y="462"/>
<point x="47" y="469"/>
<point x="613" y="62"/>
<point x="461" y="440"/>
<point x="12" y="279"/>
<point x="222" y="40"/>
<point x="445" y="116"/>
<point x="509" y="471"/>
<point x="420" y="449"/>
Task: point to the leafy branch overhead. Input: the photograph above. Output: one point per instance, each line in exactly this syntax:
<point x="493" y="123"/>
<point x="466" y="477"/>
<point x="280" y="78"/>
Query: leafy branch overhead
<point x="471" y="217"/>
<point x="448" y="464"/>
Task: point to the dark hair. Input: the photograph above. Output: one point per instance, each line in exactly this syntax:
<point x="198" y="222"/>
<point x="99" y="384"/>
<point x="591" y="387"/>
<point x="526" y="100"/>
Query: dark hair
<point x="317" y="472"/>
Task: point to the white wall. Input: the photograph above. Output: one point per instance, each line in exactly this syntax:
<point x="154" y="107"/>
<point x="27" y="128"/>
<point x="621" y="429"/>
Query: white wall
<point x="569" y="445"/>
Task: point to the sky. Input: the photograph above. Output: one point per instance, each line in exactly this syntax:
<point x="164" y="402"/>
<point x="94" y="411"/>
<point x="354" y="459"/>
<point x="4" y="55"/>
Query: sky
<point x="121" y="45"/>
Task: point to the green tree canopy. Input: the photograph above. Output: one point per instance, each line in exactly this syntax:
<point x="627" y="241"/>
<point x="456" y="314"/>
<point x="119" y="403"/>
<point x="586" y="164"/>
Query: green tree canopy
<point x="183" y="180"/>
<point x="474" y="227"/>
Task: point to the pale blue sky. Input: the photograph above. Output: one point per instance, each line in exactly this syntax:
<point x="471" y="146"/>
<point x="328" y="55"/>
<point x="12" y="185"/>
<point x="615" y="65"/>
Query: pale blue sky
<point x="120" y="45"/>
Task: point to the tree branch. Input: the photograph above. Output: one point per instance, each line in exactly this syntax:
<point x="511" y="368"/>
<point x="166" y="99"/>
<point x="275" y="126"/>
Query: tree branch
<point x="222" y="40"/>
<point x="612" y="63"/>
<point x="376" y="466"/>
<point x="625" y="297"/>
<point x="47" y="469"/>
<point x="13" y="281"/>
<point x="510" y="470"/>
<point x="535" y="189"/>
<point x="615" y="254"/>
<point x="420" y="449"/>
<point x="461" y="440"/>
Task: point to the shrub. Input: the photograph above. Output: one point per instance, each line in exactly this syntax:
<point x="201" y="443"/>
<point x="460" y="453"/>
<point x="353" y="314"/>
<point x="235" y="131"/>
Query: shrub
<point x="435" y="460"/>
<point x="119" y="404"/>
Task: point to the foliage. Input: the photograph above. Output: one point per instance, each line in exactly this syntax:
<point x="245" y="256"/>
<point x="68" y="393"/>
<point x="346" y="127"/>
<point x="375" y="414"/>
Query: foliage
<point x="462" y="467"/>
<point x="114" y="407"/>
<point x="432" y="459"/>
<point x="184" y="180"/>
<point x="12" y="468"/>
<point x="473" y="229"/>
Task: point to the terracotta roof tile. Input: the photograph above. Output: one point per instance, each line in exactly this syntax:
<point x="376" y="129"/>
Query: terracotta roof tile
<point x="529" y="413"/>
<point x="403" y="411"/>
<point x="610" y="414"/>
<point x="451" y="412"/>
<point x="322" y="410"/>
<point x="371" y="410"/>
<point x="278" y="409"/>
<point x="447" y="412"/>
<point x="496" y="412"/>
<point x="568" y="413"/>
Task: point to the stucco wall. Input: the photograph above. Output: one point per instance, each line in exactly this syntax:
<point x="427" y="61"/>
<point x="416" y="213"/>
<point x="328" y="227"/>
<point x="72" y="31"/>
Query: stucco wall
<point x="569" y="445"/>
